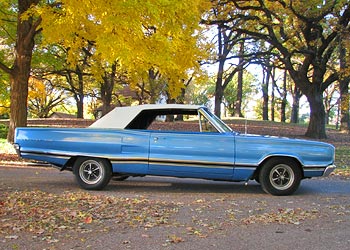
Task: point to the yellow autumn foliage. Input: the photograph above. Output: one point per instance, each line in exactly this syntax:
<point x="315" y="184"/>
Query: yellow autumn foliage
<point x="36" y="89"/>
<point x="140" y="35"/>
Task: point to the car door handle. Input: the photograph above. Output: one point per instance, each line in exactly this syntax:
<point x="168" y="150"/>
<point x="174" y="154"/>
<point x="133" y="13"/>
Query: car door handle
<point x="155" y="139"/>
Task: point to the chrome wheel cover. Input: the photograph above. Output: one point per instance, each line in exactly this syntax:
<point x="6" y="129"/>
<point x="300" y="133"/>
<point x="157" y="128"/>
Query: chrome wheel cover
<point x="282" y="176"/>
<point x="91" y="172"/>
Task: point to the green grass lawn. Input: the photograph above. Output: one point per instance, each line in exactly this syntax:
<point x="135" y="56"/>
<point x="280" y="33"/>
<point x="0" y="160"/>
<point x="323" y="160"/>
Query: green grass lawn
<point x="342" y="157"/>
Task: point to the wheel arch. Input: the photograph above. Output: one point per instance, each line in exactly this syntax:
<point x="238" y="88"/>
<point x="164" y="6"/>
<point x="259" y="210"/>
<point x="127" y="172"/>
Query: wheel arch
<point x="70" y="163"/>
<point x="262" y="163"/>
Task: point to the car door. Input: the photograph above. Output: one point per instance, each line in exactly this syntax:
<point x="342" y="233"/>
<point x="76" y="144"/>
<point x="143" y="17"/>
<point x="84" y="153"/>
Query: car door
<point x="132" y="157"/>
<point x="192" y="154"/>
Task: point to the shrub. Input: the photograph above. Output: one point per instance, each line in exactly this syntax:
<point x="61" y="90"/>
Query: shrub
<point x="3" y="131"/>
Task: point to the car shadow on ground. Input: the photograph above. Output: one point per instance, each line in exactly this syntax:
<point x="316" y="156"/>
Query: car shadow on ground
<point x="179" y="185"/>
<point x="51" y="180"/>
<point x="326" y="186"/>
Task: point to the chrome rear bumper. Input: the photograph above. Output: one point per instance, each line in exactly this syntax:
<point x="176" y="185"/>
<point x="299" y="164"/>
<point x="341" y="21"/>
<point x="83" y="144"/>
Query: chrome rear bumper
<point x="17" y="148"/>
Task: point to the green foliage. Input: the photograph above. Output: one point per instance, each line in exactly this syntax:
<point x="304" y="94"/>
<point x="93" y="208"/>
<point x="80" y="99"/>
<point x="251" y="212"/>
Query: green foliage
<point x="201" y="93"/>
<point x="4" y="96"/>
<point x="248" y="89"/>
<point x="342" y="156"/>
<point x="3" y="131"/>
<point x="8" y="22"/>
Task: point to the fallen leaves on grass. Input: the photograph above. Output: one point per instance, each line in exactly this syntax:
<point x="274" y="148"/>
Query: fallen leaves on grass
<point x="282" y="216"/>
<point x="4" y="158"/>
<point x="43" y="213"/>
<point x="342" y="172"/>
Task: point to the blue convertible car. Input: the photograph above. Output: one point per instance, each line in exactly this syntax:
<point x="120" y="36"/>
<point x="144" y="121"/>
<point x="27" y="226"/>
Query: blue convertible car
<point x="123" y="143"/>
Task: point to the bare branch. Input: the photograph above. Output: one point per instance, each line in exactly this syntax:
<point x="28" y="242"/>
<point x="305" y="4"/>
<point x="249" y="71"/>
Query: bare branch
<point x="5" y="68"/>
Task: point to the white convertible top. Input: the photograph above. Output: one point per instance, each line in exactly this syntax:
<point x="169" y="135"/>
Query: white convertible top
<point x="120" y="117"/>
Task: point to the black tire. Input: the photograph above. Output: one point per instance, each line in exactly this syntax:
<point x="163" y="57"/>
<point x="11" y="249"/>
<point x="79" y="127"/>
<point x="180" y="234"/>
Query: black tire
<point x="257" y="179"/>
<point x="280" y="176"/>
<point x="92" y="173"/>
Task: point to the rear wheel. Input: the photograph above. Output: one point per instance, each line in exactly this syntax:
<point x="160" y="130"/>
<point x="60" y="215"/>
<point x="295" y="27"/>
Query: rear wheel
<point x="91" y="173"/>
<point x="280" y="176"/>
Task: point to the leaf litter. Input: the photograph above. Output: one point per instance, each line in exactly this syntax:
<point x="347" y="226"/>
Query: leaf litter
<point x="42" y="213"/>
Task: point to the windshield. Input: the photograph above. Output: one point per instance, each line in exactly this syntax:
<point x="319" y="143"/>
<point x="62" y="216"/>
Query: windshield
<point x="218" y="122"/>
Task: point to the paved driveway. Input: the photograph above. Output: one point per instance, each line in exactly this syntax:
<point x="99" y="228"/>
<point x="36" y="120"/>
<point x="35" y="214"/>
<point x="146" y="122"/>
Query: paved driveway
<point x="203" y="214"/>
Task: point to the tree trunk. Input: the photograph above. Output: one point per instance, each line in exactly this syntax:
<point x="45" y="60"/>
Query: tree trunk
<point x="296" y="93"/>
<point x="19" y="75"/>
<point x="152" y="86"/>
<point x="106" y="98"/>
<point x="344" y="106"/>
<point x="273" y="101"/>
<point x="238" y="103"/>
<point x="317" y="124"/>
<point x="265" y="91"/>
<point x="284" y="98"/>
<point x="344" y="87"/>
<point x="219" y="89"/>
<point x="19" y="95"/>
<point x="80" y="106"/>
<point x="219" y="93"/>
<point x="107" y="90"/>
<point x="80" y="94"/>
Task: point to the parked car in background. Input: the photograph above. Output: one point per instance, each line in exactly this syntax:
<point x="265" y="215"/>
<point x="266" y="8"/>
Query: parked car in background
<point x="123" y="144"/>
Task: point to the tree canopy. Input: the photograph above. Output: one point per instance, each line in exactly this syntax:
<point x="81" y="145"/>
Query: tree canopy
<point x="302" y="37"/>
<point x="139" y="35"/>
<point x="101" y="49"/>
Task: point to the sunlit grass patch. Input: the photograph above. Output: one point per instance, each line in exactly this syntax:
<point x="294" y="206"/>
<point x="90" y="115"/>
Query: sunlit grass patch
<point x="342" y="156"/>
<point x="6" y="148"/>
<point x="342" y="161"/>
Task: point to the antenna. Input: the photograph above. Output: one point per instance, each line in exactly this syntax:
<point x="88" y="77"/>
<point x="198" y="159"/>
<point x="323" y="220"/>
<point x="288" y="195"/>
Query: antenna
<point x="245" y="125"/>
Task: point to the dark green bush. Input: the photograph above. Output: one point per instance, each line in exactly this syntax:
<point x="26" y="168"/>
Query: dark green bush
<point x="3" y="131"/>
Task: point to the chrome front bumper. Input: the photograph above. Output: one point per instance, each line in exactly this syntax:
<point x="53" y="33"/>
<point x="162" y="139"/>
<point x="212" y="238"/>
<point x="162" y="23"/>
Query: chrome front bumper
<point x="329" y="170"/>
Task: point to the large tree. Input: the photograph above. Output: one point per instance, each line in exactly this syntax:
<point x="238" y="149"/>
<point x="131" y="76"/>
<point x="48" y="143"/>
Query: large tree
<point x="344" y="62"/>
<point x="19" y="69"/>
<point x="303" y="38"/>
<point x="140" y="35"/>
<point x="153" y="34"/>
<point x="228" y="56"/>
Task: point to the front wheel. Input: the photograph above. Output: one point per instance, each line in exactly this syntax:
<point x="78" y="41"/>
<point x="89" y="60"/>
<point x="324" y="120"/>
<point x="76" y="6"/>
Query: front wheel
<point x="91" y="173"/>
<point x="280" y="176"/>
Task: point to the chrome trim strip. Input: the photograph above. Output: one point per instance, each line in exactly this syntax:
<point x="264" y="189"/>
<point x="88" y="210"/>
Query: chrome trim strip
<point x="313" y="169"/>
<point x="49" y="155"/>
<point x="128" y="162"/>
<point x="190" y="162"/>
<point x="245" y="168"/>
<point x="193" y="165"/>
